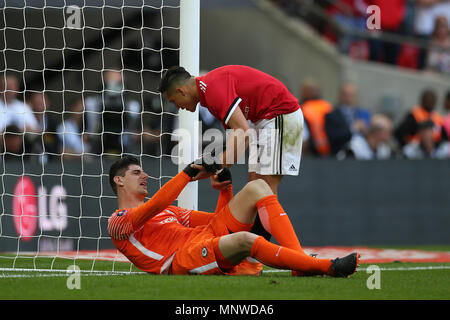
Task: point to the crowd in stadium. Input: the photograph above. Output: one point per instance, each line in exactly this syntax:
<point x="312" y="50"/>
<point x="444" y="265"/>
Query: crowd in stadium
<point x="413" y="33"/>
<point x="340" y="129"/>
<point x="107" y="123"/>
<point x="347" y="129"/>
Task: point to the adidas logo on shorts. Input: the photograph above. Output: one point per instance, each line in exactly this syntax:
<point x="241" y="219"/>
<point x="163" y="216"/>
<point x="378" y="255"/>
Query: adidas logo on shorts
<point x="292" y="168"/>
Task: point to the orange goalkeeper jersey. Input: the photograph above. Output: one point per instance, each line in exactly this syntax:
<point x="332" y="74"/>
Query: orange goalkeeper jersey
<point x="152" y="247"/>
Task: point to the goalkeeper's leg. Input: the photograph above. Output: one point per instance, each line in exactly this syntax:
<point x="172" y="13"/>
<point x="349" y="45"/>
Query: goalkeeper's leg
<point x="256" y="199"/>
<point x="235" y="247"/>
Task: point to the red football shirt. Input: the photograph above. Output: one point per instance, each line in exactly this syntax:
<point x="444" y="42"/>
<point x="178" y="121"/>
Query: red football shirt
<point x="259" y="95"/>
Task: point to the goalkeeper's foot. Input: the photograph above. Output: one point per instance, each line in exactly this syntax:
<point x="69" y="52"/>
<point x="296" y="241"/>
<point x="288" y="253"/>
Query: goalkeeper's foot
<point x="248" y="267"/>
<point x="344" y="267"/>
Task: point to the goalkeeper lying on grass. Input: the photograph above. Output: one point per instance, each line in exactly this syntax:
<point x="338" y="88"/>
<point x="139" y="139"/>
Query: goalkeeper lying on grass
<point x="160" y="238"/>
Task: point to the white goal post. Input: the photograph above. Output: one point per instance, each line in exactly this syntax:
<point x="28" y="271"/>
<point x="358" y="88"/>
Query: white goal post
<point x="189" y="59"/>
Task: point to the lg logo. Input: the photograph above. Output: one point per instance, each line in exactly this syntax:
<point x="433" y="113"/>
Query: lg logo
<point x="56" y="217"/>
<point x="31" y="208"/>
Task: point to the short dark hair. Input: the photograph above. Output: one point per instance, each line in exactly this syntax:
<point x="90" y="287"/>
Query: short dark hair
<point x="119" y="168"/>
<point x="428" y="93"/>
<point x="171" y="76"/>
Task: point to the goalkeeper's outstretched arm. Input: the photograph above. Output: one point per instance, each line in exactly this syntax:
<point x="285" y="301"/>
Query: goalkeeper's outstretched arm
<point x="223" y="179"/>
<point x="163" y="198"/>
<point x="198" y="218"/>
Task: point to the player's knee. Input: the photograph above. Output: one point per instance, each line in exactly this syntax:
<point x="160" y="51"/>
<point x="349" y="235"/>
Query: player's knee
<point x="257" y="189"/>
<point x="245" y="240"/>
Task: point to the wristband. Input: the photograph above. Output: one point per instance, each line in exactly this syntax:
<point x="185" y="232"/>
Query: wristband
<point x="191" y="172"/>
<point x="224" y="175"/>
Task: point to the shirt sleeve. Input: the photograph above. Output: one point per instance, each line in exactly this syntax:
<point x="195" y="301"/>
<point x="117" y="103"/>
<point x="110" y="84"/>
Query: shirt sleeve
<point x="225" y="196"/>
<point x="191" y="218"/>
<point x="222" y="99"/>
<point x="120" y="226"/>
<point x="160" y="200"/>
<point x="199" y="218"/>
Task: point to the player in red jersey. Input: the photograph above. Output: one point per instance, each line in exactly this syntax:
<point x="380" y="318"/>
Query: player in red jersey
<point x="159" y="238"/>
<point x="236" y="95"/>
<point x="242" y="97"/>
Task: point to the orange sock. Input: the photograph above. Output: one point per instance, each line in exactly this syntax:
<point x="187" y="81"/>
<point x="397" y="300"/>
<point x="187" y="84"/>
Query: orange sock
<point x="275" y="220"/>
<point x="285" y="258"/>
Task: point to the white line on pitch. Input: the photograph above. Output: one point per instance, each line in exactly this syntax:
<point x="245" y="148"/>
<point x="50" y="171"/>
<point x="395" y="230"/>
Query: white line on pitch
<point x="48" y="275"/>
<point x="65" y="271"/>
<point x="381" y="268"/>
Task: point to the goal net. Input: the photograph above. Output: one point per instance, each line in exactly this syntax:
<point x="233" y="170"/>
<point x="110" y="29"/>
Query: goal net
<point x="78" y="87"/>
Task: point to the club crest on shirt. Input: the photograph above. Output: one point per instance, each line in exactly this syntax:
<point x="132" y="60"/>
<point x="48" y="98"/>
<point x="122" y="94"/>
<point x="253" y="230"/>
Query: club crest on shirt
<point x="122" y="212"/>
<point x="204" y="252"/>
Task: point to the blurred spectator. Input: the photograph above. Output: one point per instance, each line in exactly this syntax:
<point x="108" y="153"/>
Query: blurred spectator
<point x="12" y="146"/>
<point x="113" y="117"/>
<point x="438" y="56"/>
<point x="426" y="146"/>
<point x="373" y="144"/>
<point x="158" y="122"/>
<point x="446" y="119"/>
<point x="72" y="140"/>
<point x="12" y="110"/>
<point x="347" y="118"/>
<point x="351" y="15"/>
<point x="392" y="16"/>
<point x="426" y="12"/>
<point x="314" y="109"/>
<point x="408" y="129"/>
<point x="47" y="140"/>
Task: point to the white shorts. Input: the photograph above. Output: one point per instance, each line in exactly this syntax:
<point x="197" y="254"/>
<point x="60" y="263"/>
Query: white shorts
<point x="277" y="148"/>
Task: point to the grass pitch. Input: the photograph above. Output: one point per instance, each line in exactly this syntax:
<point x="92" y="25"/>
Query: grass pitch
<point x="399" y="281"/>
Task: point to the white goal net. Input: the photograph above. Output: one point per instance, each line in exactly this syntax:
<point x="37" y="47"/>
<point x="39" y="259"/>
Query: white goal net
<point x="79" y="89"/>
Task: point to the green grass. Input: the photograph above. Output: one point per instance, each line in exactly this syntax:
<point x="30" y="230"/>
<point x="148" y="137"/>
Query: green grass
<point x="398" y="284"/>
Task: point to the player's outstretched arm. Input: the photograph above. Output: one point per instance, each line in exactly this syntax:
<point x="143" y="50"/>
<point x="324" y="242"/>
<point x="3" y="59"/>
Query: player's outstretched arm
<point x="163" y="198"/>
<point x="222" y="182"/>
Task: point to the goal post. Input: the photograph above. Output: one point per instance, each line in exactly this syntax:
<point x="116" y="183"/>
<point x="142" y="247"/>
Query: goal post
<point x="188" y="121"/>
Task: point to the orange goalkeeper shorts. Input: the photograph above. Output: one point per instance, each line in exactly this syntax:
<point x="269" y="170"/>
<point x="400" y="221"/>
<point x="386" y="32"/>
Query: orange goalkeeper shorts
<point x="200" y="254"/>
